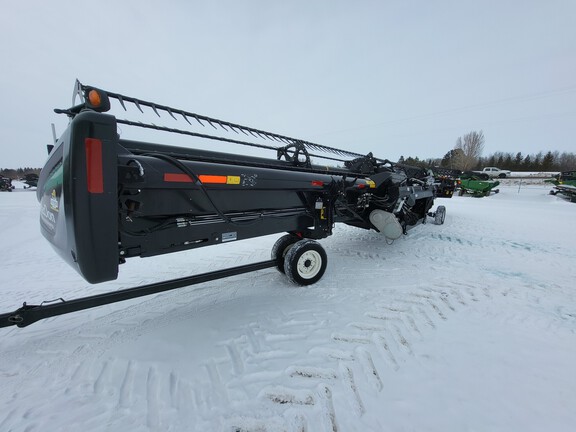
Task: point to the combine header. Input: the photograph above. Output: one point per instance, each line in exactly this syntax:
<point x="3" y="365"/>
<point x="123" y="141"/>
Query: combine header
<point x="105" y="199"/>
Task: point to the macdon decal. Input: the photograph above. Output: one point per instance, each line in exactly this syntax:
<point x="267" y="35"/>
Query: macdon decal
<point x="48" y="217"/>
<point x="54" y="205"/>
<point x="249" y="180"/>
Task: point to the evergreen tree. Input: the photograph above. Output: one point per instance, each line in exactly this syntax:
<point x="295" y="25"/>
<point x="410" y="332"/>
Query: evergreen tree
<point x="547" y="161"/>
<point x="537" y="161"/>
<point x="527" y="164"/>
<point x="518" y="161"/>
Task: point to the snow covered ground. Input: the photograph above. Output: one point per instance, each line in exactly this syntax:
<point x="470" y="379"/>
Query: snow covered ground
<point x="468" y="326"/>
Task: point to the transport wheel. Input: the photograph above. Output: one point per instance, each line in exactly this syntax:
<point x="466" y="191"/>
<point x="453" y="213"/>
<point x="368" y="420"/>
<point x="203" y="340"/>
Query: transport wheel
<point x="502" y="175"/>
<point x="440" y="215"/>
<point x="305" y="262"/>
<point x="281" y="248"/>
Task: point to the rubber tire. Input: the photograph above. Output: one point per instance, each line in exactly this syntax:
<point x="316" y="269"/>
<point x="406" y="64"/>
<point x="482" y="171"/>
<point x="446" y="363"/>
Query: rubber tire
<point x="440" y="215"/>
<point x="305" y="256"/>
<point x="281" y="248"/>
<point x="502" y="175"/>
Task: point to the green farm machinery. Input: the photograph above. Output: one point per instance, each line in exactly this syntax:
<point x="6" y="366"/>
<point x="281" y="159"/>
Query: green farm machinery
<point x="477" y="184"/>
<point x="565" y="184"/>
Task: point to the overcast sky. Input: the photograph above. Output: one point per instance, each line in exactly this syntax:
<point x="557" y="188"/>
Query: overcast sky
<point x="394" y="77"/>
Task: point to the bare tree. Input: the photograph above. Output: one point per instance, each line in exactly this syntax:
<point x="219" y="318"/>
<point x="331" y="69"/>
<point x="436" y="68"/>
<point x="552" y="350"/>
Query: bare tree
<point x="566" y="161"/>
<point x="471" y="146"/>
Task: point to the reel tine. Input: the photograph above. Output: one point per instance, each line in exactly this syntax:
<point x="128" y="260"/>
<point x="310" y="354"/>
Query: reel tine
<point x="121" y="102"/>
<point x="154" y="109"/>
<point x="186" y="118"/>
<point x="198" y="120"/>
<point x="135" y="101"/>
<point x="170" y="112"/>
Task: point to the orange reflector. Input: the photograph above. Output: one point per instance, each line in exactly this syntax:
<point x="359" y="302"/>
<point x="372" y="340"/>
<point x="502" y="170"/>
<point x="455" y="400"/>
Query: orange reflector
<point x="94" y="174"/>
<point x="94" y="98"/>
<point x="213" y="179"/>
<point x="317" y="183"/>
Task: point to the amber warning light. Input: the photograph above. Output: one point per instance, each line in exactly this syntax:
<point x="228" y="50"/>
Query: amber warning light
<point x="97" y="100"/>
<point x="94" y="98"/>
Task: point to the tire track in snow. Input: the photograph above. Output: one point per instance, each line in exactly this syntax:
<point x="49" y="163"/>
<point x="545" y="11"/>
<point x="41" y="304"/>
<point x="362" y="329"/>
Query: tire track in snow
<point x="369" y="368"/>
<point x="153" y="406"/>
<point x="366" y="351"/>
<point x="126" y="397"/>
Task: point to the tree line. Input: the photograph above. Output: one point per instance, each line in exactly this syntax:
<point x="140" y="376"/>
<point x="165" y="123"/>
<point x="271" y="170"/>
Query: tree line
<point x="551" y="161"/>
<point x="467" y="155"/>
<point x="18" y="172"/>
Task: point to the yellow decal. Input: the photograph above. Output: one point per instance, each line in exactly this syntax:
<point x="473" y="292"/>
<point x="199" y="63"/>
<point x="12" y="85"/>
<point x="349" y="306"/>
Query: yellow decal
<point x="233" y="180"/>
<point x="371" y="183"/>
